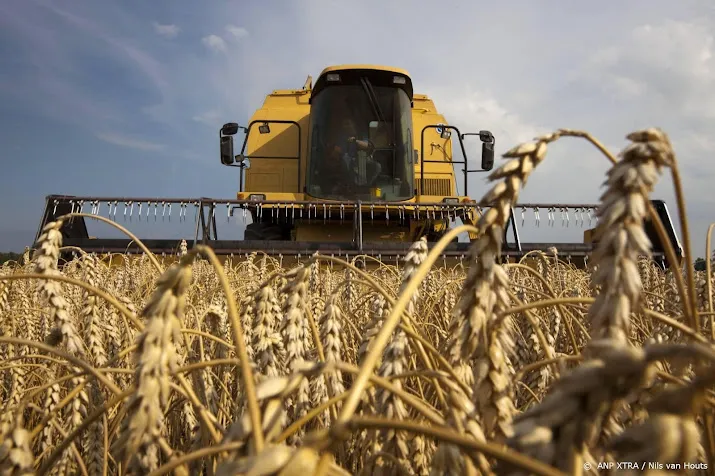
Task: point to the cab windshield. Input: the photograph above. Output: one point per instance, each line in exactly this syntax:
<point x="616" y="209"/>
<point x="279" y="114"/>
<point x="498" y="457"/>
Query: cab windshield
<point x="361" y="144"/>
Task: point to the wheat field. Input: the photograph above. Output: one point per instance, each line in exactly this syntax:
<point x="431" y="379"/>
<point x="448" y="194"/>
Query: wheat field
<point x="189" y="366"/>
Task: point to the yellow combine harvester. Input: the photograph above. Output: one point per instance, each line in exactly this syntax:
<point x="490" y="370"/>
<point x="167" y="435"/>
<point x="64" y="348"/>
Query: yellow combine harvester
<point x="356" y="164"/>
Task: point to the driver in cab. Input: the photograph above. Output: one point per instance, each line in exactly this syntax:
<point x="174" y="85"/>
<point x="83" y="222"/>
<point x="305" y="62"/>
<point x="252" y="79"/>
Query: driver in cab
<point x="349" y="144"/>
<point x="344" y="153"/>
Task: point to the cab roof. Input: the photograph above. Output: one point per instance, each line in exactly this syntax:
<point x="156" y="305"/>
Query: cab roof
<point x="379" y="75"/>
<point x="374" y="67"/>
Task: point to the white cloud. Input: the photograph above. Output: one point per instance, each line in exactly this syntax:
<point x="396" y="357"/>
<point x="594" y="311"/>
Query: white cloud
<point x="472" y="111"/>
<point x="168" y="31"/>
<point x="210" y="118"/>
<point x="237" y="31"/>
<point x="214" y="42"/>
<point x="669" y="65"/>
<point x="128" y="142"/>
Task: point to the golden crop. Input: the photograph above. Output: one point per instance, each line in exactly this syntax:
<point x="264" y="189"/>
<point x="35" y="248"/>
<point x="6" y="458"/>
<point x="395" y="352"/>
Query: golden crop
<point x="194" y="367"/>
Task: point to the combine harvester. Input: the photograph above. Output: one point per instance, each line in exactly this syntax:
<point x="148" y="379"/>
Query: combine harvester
<point x="356" y="164"/>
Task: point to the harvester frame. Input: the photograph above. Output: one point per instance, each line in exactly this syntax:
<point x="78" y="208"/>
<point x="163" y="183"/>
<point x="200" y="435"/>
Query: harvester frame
<point x="294" y="210"/>
<point x="207" y="210"/>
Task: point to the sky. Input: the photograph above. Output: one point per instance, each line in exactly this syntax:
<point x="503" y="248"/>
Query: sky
<point x="126" y="98"/>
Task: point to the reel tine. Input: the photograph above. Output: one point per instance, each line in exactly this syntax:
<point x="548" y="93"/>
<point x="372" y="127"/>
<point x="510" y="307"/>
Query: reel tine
<point x="537" y="217"/>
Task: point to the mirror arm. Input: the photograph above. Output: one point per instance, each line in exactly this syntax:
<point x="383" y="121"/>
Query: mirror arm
<point x="226" y="142"/>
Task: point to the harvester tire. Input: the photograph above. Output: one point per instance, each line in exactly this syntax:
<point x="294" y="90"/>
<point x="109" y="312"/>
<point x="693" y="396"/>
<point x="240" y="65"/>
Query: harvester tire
<point x="264" y="232"/>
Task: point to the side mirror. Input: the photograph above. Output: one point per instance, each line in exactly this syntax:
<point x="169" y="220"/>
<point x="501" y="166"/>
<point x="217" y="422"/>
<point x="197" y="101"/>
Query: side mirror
<point x="229" y="129"/>
<point x="487" y="149"/>
<point x="487" y="156"/>
<point x="227" y="150"/>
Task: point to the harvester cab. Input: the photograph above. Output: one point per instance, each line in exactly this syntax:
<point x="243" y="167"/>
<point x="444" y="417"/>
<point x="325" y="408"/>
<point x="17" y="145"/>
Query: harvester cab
<point x="355" y="164"/>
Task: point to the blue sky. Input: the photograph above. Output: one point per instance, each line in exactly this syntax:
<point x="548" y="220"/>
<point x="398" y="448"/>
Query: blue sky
<point x="125" y="98"/>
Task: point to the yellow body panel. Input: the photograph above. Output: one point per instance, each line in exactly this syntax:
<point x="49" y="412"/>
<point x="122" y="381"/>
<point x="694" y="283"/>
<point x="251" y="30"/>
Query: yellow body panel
<point x="279" y="175"/>
<point x="439" y="178"/>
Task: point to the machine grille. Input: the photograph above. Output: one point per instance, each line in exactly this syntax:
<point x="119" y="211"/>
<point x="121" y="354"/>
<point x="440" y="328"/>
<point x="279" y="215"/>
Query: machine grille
<point x="432" y="186"/>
